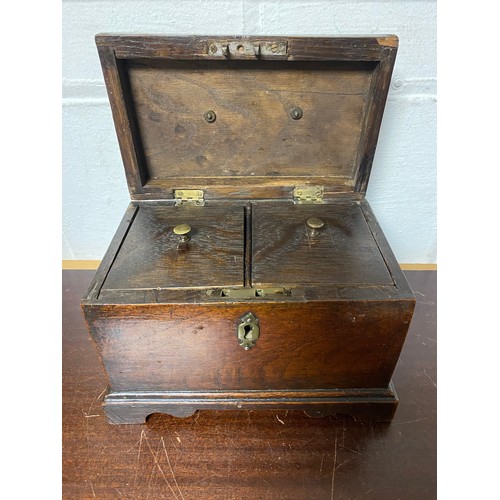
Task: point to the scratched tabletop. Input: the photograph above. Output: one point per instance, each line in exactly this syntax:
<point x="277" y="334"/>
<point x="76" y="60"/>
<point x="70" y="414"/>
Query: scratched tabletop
<point x="250" y="454"/>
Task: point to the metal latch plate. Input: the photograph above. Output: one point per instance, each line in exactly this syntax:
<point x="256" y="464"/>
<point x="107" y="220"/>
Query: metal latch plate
<point x="252" y="293"/>
<point x="242" y="49"/>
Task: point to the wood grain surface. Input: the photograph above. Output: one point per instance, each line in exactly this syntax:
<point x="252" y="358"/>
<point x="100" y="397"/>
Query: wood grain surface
<point x="342" y="253"/>
<point x="253" y="134"/>
<point x="152" y="256"/>
<point x="343" y="48"/>
<point x="161" y="87"/>
<point x="308" y="342"/>
<point x="260" y="244"/>
<point x="249" y="454"/>
<point x="313" y="345"/>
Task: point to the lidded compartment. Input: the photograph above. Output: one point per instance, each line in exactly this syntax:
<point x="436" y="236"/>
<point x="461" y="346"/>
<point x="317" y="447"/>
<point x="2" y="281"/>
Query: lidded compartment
<point x="249" y="119"/>
<point x="338" y="250"/>
<point x="248" y="269"/>
<point x="153" y="256"/>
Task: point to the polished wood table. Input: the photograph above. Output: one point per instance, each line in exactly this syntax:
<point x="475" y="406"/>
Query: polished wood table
<point x="250" y="454"/>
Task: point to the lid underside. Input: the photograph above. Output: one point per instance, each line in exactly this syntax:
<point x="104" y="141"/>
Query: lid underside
<point x="254" y="133"/>
<point x="189" y="120"/>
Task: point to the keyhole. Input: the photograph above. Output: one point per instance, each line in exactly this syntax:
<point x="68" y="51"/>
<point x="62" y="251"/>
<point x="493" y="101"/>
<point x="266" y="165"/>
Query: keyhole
<point x="248" y="332"/>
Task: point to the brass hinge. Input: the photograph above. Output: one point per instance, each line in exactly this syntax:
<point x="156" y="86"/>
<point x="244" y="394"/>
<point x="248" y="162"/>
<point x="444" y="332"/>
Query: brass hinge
<point x="308" y="194"/>
<point x="189" y="197"/>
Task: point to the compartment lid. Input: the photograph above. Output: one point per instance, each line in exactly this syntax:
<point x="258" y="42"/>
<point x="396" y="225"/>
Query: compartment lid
<point x="341" y="252"/>
<point x="246" y="117"/>
<point x="151" y="257"/>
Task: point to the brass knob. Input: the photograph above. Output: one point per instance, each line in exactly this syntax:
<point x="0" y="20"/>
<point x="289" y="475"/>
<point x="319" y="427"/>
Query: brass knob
<point x="314" y="224"/>
<point x="183" y="231"/>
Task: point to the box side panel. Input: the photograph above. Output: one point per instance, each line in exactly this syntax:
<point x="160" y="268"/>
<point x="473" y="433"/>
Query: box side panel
<point x="316" y="345"/>
<point x="111" y="253"/>
<point x="397" y="274"/>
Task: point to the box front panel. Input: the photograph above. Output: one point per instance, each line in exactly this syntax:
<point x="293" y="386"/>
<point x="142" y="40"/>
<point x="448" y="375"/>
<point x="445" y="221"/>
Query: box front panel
<point x="342" y="344"/>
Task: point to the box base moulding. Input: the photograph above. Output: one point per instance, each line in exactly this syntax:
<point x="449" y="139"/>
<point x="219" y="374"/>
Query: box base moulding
<point x="378" y="404"/>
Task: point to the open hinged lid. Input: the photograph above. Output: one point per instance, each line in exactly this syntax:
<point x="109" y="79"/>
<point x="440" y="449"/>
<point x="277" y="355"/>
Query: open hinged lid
<point x="246" y="117"/>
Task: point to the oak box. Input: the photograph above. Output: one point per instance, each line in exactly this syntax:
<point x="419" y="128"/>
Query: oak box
<point x="249" y="270"/>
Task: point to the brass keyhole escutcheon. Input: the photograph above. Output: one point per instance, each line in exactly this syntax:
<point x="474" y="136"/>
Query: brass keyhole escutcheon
<point x="248" y="331"/>
<point x="182" y="230"/>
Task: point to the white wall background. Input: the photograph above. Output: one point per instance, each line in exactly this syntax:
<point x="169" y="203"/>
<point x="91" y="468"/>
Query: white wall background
<point x="402" y="188"/>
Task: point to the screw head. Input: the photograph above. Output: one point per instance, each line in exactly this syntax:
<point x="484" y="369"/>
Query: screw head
<point x="210" y="116"/>
<point x="296" y="113"/>
<point x="213" y="48"/>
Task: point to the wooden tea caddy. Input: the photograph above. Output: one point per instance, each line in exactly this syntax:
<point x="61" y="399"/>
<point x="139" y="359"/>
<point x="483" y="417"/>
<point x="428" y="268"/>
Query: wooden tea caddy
<point x="249" y="270"/>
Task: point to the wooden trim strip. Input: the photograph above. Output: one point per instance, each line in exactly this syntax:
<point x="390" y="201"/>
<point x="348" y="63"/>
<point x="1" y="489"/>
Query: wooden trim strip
<point x="80" y="264"/>
<point x="94" y="264"/>
<point x="345" y="48"/>
<point x="418" y="267"/>
<point x="116" y="85"/>
<point x="379" y="88"/>
<point x="386" y="252"/>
